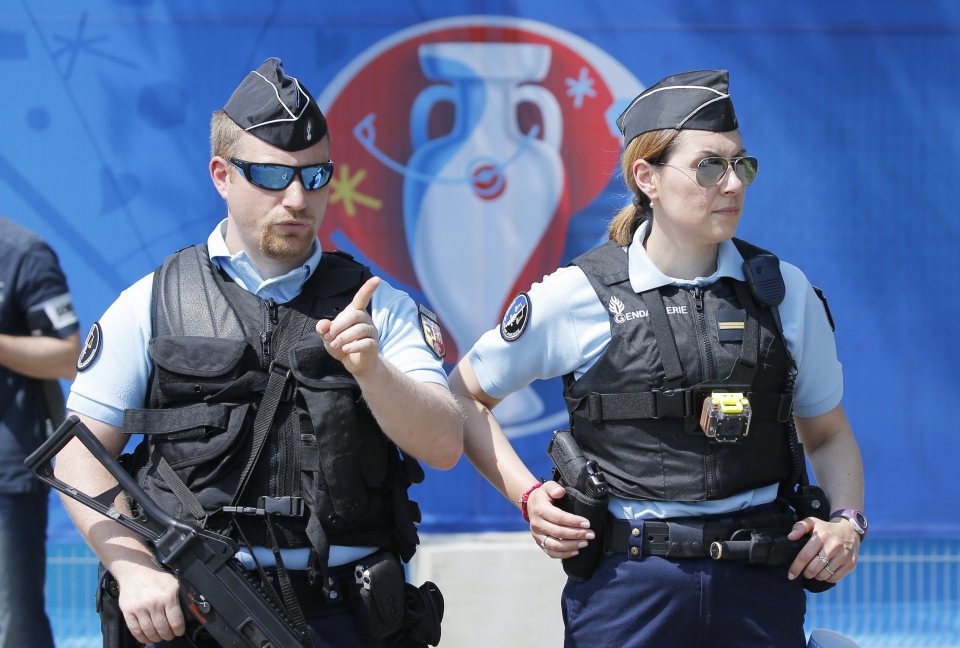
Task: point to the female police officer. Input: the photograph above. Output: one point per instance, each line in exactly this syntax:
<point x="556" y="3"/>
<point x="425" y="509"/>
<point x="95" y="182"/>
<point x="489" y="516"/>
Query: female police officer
<point x="679" y="375"/>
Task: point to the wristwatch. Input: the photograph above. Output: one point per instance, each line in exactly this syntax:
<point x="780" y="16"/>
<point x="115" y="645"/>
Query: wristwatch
<point x="856" y="518"/>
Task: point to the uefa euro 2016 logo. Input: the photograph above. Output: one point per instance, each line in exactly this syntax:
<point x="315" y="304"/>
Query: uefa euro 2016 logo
<point x="464" y="147"/>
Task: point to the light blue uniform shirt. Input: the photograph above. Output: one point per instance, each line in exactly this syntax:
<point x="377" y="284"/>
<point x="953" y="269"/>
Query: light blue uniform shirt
<point x="118" y="378"/>
<point x="569" y="329"/>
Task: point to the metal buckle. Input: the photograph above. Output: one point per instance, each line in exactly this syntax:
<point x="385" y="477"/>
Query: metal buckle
<point x="671" y="403"/>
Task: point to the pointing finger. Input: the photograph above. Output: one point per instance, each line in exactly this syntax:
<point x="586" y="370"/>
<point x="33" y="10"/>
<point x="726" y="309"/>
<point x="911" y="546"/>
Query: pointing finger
<point x="363" y="296"/>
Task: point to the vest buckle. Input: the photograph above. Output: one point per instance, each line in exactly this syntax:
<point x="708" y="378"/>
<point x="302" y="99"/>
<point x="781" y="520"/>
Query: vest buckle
<point x="286" y="506"/>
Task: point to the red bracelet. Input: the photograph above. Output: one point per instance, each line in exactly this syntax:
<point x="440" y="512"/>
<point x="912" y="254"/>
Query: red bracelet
<point x="523" y="501"/>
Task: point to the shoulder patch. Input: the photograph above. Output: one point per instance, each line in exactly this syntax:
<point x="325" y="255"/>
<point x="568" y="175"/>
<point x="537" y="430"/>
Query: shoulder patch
<point x="430" y="328"/>
<point x="516" y="318"/>
<point x="91" y="347"/>
<point x="826" y="307"/>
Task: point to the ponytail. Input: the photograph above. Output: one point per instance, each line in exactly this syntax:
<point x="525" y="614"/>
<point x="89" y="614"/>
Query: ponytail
<point x="650" y="146"/>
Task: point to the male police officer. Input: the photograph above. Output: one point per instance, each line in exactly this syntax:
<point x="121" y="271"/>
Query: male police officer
<point x="38" y="344"/>
<point x="273" y="384"/>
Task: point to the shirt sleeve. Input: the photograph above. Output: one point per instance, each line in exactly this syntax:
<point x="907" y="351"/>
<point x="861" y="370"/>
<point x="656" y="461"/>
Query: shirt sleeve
<point x="567" y="331"/>
<point x="819" y="386"/>
<point x="117" y="378"/>
<point x="397" y="318"/>
<point x="43" y="293"/>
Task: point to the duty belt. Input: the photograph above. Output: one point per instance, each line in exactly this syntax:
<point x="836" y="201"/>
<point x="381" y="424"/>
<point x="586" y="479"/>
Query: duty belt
<point x="687" y="537"/>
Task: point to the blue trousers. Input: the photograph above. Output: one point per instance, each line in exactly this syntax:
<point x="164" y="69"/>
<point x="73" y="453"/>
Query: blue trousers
<point x="653" y="602"/>
<point x="23" y="559"/>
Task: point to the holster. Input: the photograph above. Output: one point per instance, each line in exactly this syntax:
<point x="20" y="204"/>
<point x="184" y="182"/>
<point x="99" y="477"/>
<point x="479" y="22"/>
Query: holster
<point x="581" y="566"/>
<point x="112" y="626"/>
<point x="811" y="501"/>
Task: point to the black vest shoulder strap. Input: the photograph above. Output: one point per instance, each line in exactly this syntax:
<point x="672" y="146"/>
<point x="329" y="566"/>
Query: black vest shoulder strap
<point x="184" y="301"/>
<point x="749" y="250"/>
<point x="605" y="263"/>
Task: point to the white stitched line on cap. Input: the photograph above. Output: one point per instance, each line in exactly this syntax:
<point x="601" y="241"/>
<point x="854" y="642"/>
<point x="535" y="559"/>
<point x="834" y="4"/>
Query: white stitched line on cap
<point x="699" y="108"/>
<point x="289" y="112"/>
<point x="683" y="87"/>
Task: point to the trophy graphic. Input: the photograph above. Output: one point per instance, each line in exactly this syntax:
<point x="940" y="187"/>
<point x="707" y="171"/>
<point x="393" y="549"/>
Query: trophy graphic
<point x="478" y="200"/>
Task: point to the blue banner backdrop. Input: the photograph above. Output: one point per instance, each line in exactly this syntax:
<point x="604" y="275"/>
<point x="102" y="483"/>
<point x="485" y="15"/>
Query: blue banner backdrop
<point x="851" y="107"/>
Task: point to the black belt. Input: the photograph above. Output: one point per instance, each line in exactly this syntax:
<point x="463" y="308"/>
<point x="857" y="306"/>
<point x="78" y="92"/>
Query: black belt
<point x="314" y="601"/>
<point x="686" y="537"/>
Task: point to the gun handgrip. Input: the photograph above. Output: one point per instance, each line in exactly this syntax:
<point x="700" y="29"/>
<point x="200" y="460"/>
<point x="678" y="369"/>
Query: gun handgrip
<point x="53" y="445"/>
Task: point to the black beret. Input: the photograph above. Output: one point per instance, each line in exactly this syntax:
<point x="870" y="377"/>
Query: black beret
<point x="276" y="108"/>
<point x="690" y="100"/>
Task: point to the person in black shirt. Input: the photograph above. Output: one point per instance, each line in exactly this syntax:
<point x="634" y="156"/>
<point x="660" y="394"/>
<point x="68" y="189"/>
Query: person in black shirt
<point x="39" y="343"/>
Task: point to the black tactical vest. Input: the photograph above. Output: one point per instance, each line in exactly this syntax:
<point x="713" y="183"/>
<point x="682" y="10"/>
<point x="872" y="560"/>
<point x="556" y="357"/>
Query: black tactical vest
<point x="224" y="361"/>
<point x="636" y="410"/>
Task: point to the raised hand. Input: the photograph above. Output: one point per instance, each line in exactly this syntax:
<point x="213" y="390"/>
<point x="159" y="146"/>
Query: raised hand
<point x="351" y="336"/>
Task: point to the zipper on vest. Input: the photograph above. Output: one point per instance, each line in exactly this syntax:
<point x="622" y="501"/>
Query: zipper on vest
<point x="271" y="320"/>
<point x="703" y="339"/>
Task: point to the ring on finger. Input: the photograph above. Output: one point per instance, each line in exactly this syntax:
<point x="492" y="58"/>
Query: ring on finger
<point x="824" y="561"/>
<point x="832" y="572"/>
<point x="543" y="542"/>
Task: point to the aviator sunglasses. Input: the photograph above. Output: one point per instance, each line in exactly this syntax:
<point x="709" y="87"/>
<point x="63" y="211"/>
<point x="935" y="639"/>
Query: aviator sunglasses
<point x="711" y="170"/>
<point x="276" y="177"/>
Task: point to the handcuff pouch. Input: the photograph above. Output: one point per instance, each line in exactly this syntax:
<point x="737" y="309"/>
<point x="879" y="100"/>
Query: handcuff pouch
<point x="378" y="595"/>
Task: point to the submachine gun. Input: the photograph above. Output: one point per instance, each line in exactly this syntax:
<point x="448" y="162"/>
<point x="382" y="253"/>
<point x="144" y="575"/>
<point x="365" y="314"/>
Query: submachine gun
<point x="214" y="590"/>
<point x="586" y="496"/>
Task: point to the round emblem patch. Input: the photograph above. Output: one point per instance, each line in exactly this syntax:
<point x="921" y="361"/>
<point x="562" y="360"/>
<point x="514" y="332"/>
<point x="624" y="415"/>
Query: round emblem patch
<point x="516" y="318"/>
<point x="91" y="347"/>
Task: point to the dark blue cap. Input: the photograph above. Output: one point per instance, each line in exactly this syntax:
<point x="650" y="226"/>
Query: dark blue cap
<point x="277" y="108"/>
<point x="691" y="100"/>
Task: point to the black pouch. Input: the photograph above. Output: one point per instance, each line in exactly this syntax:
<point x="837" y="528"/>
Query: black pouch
<point x="581" y="566"/>
<point x="112" y="626"/>
<point x="811" y="501"/>
<point x="422" y="617"/>
<point x="378" y="595"/>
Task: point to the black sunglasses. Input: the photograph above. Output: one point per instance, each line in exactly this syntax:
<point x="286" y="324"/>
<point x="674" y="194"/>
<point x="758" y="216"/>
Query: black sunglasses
<point x="276" y="177"/>
<point x="710" y="170"/>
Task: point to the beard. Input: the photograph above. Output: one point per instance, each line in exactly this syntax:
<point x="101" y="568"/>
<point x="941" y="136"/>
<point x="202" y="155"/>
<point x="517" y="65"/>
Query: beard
<point x="286" y="247"/>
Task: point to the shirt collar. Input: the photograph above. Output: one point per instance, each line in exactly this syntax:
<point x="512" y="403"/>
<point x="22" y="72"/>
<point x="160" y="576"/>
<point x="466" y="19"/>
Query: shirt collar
<point x="241" y="269"/>
<point x="645" y="275"/>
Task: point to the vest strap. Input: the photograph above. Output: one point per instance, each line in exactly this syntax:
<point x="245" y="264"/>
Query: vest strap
<point x="276" y="385"/>
<point x="746" y="366"/>
<point x="165" y="421"/>
<point x="190" y="503"/>
<point x="670" y="403"/>
<point x="663" y="333"/>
